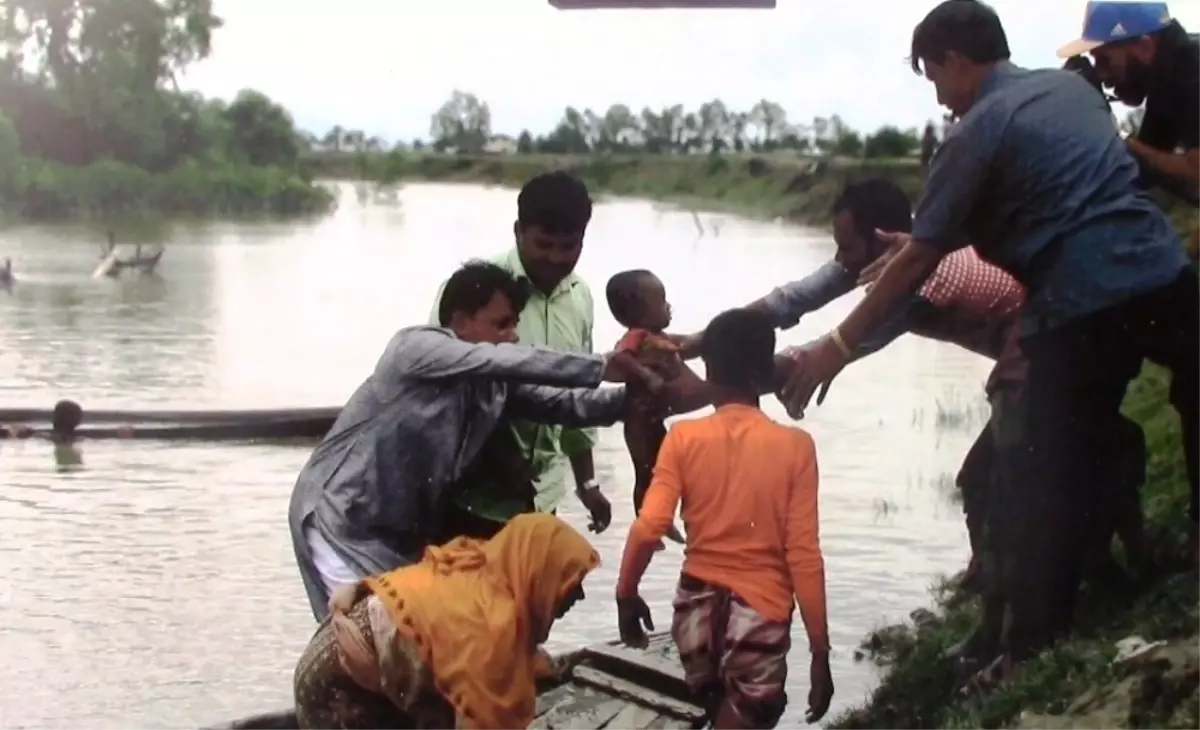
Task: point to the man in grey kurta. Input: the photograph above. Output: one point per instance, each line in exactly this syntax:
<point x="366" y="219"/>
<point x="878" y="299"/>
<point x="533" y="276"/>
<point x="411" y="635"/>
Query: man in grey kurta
<point x="374" y="490"/>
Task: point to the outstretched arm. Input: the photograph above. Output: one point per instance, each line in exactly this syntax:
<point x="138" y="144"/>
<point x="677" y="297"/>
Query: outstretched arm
<point x="432" y="353"/>
<point x="959" y="170"/>
<point x="785" y="305"/>
<point x="578" y="407"/>
<point x="788" y="303"/>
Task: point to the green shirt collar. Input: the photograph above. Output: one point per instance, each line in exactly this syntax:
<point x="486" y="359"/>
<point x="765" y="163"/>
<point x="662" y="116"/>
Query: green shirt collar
<point x="512" y="262"/>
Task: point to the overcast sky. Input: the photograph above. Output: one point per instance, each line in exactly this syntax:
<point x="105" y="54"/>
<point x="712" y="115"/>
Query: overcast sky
<point x="384" y="66"/>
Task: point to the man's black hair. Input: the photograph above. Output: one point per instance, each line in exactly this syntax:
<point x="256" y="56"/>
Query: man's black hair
<point x="875" y="204"/>
<point x="622" y="295"/>
<point x="557" y="202"/>
<point x="967" y="27"/>
<point x="472" y="287"/>
<point x="66" y="417"/>
<point x="739" y="350"/>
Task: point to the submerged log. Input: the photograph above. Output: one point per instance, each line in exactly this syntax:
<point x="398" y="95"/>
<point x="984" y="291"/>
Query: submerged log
<point x="294" y="429"/>
<point x="179" y="417"/>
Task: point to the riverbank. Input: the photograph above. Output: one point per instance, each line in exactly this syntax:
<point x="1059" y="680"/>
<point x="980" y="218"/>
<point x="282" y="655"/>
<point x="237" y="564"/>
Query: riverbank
<point x="780" y="185"/>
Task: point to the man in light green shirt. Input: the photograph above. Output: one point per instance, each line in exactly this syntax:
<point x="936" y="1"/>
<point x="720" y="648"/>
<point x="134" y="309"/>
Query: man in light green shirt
<point x="553" y="210"/>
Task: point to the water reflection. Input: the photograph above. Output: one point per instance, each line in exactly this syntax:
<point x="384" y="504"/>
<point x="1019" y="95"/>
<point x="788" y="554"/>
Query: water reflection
<point x="155" y="586"/>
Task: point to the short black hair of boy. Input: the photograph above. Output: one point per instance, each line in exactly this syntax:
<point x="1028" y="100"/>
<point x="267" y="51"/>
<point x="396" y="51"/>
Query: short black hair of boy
<point x="739" y="350"/>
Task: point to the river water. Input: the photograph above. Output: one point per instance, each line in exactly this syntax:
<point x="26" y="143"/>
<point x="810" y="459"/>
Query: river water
<point x="154" y="586"/>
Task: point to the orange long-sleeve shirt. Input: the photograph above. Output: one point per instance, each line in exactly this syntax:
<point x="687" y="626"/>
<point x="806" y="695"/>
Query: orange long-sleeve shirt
<point x="748" y="488"/>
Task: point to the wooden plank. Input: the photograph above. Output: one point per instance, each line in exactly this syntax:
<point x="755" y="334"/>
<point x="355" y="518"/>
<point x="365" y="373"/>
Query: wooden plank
<point x="636" y="657"/>
<point x="656" y="671"/>
<point x="634" y="693"/>
<point x="546" y="701"/>
<point x="583" y="711"/>
<point x="673" y="723"/>
<point x="635" y="716"/>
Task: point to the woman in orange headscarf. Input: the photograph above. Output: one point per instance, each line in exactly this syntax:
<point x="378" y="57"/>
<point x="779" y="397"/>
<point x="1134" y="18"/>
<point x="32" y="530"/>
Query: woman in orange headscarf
<point x="450" y="642"/>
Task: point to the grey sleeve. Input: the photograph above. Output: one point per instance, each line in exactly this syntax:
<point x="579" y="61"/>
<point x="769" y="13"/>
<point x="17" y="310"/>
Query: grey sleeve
<point x="786" y="304"/>
<point x="431" y="353"/>
<point x="578" y="407"/>
<point x="956" y="174"/>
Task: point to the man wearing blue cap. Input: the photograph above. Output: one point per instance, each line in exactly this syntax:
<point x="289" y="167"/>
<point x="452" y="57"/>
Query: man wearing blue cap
<point x="1144" y="55"/>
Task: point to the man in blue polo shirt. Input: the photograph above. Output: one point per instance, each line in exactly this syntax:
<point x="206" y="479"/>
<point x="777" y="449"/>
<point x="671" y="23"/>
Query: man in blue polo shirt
<point x="1035" y="176"/>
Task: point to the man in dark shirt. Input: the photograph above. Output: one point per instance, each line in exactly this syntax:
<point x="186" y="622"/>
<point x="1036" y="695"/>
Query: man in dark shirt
<point x="1145" y="56"/>
<point x="1035" y="177"/>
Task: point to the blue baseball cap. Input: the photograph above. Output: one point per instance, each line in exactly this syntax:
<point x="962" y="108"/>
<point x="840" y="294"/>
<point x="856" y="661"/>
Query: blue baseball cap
<point x="1109" y="22"/>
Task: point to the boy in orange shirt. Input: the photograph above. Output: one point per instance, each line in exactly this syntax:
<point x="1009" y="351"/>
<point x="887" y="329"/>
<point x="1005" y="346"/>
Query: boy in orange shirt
<point x="638" y="301"/>
<point x="748" y="487"/>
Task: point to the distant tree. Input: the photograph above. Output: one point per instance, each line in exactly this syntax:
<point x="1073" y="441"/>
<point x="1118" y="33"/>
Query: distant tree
<point x="525" y="143"/>
<point x="889" y="141"/>
<point x="260" y="131"/>
<point x="463" y="122"/>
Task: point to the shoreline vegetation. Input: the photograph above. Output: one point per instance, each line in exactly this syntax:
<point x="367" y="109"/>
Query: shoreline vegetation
<point x="796" y="188"/>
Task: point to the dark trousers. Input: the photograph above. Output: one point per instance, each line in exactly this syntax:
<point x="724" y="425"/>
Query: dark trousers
<point x="975" y="479"/>
<point x="1078" y="375"/>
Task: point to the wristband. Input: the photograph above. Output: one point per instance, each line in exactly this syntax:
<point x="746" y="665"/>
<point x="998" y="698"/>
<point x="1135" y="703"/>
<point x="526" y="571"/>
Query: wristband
<point x="836" y="336"/>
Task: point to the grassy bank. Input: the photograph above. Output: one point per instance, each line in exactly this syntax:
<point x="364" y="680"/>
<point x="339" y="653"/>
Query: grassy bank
<point x="770" y="185"/>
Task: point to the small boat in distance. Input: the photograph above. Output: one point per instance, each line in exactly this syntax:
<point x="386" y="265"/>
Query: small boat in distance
<point x="111" y="265"/>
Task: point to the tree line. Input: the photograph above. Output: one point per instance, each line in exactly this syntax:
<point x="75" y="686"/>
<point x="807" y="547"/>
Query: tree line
<point x="464" y="124"/>
<point x="92" y="121"/>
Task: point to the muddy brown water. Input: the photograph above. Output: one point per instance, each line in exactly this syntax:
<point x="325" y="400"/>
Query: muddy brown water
<point x="154" y="585"/>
